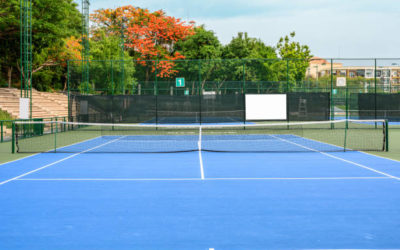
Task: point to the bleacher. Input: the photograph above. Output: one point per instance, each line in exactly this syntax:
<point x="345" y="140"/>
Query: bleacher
<point x="44" y="104"/>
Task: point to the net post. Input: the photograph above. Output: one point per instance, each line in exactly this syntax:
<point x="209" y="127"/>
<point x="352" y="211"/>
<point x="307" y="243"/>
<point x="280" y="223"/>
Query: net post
<point x="387" y="135"/>
<point x="55" y="137"/>
<point x="345" y="137"/>
<point x="347" y="107"/>
<point x="13" y="138"/>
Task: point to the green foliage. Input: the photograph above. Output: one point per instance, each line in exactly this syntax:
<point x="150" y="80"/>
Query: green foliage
<point x="56" y="21"/>
<point x="52" y="21"/>
<point x="9" y="37"/>
<point x="107" y="72"/>
<point x="288" y="49"/>
<point x="202" y="45"/>
<point x="5" y="116"/>
<point x="265" y="69"/>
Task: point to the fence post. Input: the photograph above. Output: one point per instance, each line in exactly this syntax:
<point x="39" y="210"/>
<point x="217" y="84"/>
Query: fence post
<point x="112" y="78"/>
<point x="13" y="138"/>
<point x="51" y="124"/>
<point x="347" y="106"/>
<point x="1" y="124"/>
<point x="287" y="75"/>
<point x="244" y="75"/>
<point x="156" y="79"/>
<point x="155" y="92"/>
<point x="69" y="106"/>
<point x="200" y="91"/>
<point x="375" y="106"/>
<point x="55" y="137"/>
<point x="332" y="102"/>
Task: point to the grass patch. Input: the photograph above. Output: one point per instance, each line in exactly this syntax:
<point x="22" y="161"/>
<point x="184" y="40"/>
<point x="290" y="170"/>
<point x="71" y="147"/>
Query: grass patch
<point x="4" y="116"/>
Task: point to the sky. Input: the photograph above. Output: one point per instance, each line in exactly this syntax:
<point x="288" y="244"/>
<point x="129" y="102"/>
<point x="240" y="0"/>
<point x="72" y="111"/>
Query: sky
<point x="331" y="28"/>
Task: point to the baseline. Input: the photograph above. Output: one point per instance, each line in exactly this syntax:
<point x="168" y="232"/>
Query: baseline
<point x="205" y="179"/>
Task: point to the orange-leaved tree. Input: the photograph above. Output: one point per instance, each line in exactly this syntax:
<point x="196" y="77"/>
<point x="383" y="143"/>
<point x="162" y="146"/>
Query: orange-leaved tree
<point x="150" y="36"/>
<point x="70" y="52"/>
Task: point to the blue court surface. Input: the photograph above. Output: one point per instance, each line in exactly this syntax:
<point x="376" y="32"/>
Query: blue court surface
<point x="200" y="200"/>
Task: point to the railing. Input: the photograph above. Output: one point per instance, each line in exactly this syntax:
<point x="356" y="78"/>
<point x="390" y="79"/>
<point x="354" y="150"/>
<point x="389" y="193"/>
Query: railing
<point x="6" y="125"/>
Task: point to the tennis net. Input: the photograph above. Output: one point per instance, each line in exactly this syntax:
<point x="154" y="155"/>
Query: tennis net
<point x="322" y="136"/>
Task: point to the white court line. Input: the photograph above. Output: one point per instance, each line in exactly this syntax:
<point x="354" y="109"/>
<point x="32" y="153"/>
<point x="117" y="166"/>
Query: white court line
<point x="351" y="249"/>
<point x="56" y="162"/>
<point x="206" y="179"/>
<point x="338" y="158"/>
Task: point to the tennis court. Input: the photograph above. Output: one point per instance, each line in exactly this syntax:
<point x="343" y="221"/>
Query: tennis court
<point x="229" y="187"/>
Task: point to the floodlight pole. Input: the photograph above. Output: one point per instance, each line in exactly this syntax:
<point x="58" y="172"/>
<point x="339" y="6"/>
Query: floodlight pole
<point x="26" y="51"/>
<point x="85" y="45"/>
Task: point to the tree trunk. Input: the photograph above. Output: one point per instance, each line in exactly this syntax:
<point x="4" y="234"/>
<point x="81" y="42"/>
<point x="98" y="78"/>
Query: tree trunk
<point x="65" y="84"/>
<point x="9" y="75"/>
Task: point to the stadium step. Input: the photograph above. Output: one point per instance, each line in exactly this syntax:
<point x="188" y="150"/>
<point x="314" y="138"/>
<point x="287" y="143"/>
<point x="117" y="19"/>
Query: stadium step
<point x="43" y="104"/>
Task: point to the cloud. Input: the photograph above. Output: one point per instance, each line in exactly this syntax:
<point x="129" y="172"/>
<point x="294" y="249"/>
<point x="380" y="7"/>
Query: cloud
<point x="326" y="32"/>
<point x="332" y="28"/>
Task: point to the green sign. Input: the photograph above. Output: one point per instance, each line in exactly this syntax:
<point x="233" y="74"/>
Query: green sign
<point x="186" y="92"/>
<point x="180" y="82"/>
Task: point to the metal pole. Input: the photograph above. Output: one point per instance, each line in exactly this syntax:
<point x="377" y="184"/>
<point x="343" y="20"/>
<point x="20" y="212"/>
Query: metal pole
<point x="199" y="93"/>
<point x="347" y="107"/>
<point x="332" y="102"/>
<point x="156" y="78"/>
<point x="244" y="75"/>
<point x="375" y="92"/>
<point x="13" y="134"/>
<point x="112" y="78"/>
<point x="69" y="104"/>
<point x="155" y="92"/>
<point x="287" y="75"/>
<point x="55" y="137"/>
<point x="387" y="134"/>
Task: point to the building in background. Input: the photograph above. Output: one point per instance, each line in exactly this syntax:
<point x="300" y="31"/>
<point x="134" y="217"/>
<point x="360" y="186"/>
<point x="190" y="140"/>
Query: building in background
<point x="388" y="77"/>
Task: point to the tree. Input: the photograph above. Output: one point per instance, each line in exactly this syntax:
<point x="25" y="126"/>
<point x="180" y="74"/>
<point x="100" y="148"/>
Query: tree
<point x="201" y="45"/>
<point x="243" y="46"/>
<point x="298" y="56"/>
<point x="52" y="22"/>
<point x="9" y="38"/>
<point x="116" y="75"/>
<point x="149" y="36"/>
<point x="255" y="66"/>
